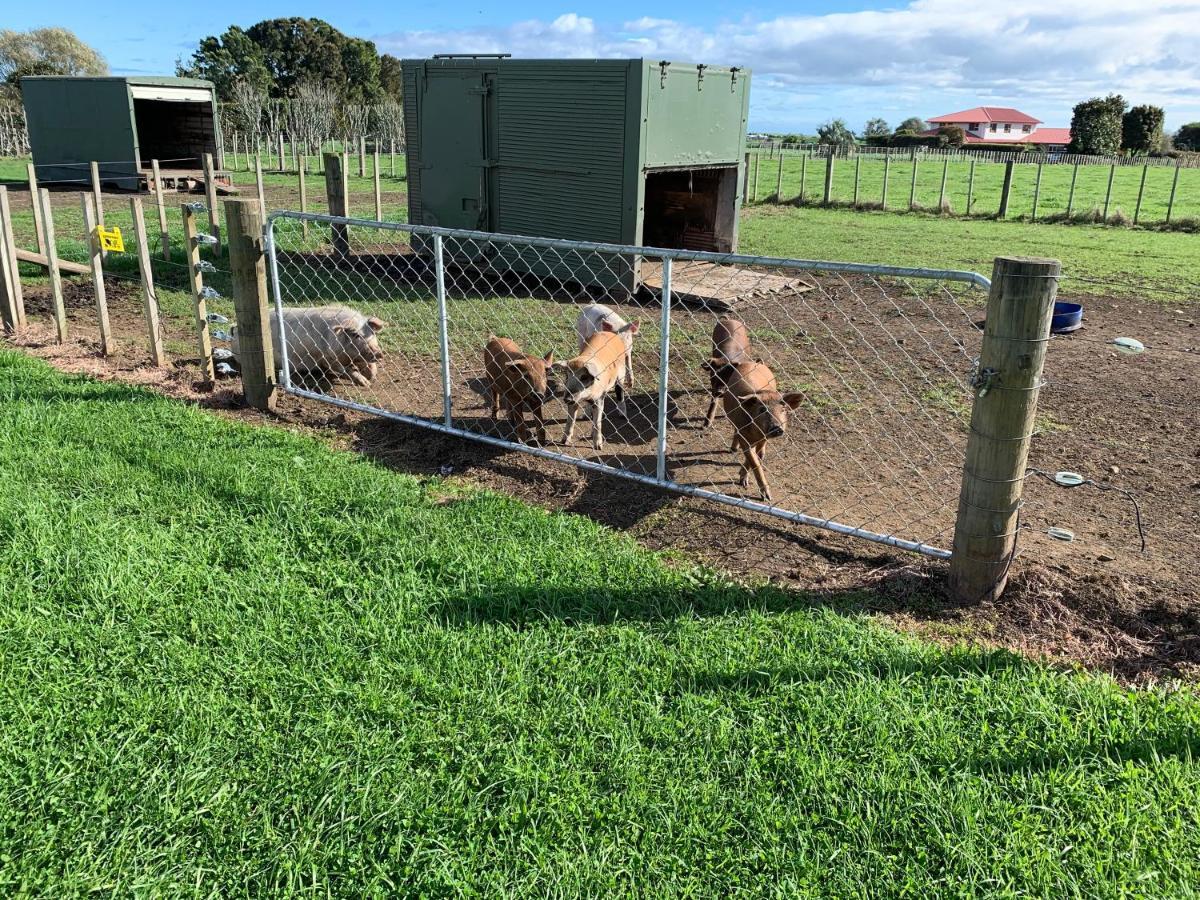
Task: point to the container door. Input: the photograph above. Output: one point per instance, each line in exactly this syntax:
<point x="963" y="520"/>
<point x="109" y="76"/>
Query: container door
<point x="453" y="164"/>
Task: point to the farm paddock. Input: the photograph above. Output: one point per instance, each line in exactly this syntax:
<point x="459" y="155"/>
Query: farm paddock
<point x="1097" y="601"/>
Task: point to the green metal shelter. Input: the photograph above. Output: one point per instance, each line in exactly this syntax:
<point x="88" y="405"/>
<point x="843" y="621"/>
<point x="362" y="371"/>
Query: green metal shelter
<point x="120" y="123"/>
<point x="627" y="151"/>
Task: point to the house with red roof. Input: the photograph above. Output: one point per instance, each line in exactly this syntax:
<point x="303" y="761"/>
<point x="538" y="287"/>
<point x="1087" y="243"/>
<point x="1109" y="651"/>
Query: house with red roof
<point x="1003" y="125"/>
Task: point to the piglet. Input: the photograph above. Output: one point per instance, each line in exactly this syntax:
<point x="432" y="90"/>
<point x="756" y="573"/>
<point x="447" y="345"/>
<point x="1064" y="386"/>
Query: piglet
<point x="731" y="345"/>
<point x="589" y="378"/>
<point x="596" y="317"/>
<point x="758" y="413"/>
<point x="517" y="381"/>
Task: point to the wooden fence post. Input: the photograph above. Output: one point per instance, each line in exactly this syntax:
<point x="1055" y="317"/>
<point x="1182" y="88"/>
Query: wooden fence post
<point x="95" y="167"/>
<point x="942" y="192"/>
<point x="970" y="187"/>
<point x="392" y="154"/>
<point x="235" y="150"/>
<point x="803" y="175"/>
<point x="378" y="193"/>
<point x="1112" y="173"/>
<point x="282" y="165"/>
<point x="827" y="194"/>
<point x="8" y="245"/>
<point x="1006" y="189"/>
<point x="754" y="187"/>
<point x="1019" y="309"/>
<point x="191" y="249"/>
<point x="1137" y="210"/>
<point x="210" y="197"/>
<point x="303" y="200"/>
<point x="149" y="298"/>
<point x="56" y="288"/>
<point x="912" y="191"/>
<point x="857" y="176"/>
<point x="96" y="264"/>
<point x="336" y="188"/>
<point x="248" y="266"/>
<point x="887" y="164"/>
<point x="746" y="181"/>
<point x="10" y="279"/>
<point x="362" y="156"/>
<point x="1037" y="192"/>
<point x="35" y="200"/>
<point x="1174" y="184"/>
<point x="258" y="183"/>
<point x="164" y="233"/>
<point x="1071" y="195"/>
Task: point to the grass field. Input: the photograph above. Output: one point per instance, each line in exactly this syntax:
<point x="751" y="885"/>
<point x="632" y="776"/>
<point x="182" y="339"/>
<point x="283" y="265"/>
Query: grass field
<point x="235" y="661"/>
<point x="1054" y="194"/>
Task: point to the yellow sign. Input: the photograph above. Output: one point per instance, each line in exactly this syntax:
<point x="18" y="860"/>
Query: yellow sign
<point x="110" y="239"/>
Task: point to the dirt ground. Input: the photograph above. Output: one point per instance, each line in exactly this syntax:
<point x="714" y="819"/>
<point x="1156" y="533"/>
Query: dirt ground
<point x="1128" y="422"/>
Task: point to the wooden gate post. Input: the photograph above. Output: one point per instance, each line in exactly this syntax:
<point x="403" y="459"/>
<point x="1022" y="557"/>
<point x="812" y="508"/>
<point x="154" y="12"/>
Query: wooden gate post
<point x="1006" y="189"/>
<point x="35" y="200"/>
<point x="10" y="278"/>
<point x="1019" y="309"/>
<point x="336" y="189"/>
<point x="8" y="241"/>
<point x="248" y="266"/>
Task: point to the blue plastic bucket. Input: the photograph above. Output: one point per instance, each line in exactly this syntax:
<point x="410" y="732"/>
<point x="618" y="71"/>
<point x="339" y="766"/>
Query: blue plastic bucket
<point x="1067" y="317"/>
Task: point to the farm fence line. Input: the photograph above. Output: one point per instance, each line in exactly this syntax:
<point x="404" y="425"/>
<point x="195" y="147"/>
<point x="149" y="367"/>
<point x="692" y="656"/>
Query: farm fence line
<point x="872" y="365"/>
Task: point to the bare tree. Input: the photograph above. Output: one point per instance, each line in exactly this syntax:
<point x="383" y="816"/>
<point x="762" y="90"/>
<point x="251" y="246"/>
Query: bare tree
<point x="313" y="112"/>
<point x="248" y="102"/>
<point x="356" y="117"/>
<point x="388" y="121"/>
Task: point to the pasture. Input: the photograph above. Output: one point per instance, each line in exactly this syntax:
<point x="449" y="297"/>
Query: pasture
<point x="803" y="181"/>
<point x="239" y="661"/>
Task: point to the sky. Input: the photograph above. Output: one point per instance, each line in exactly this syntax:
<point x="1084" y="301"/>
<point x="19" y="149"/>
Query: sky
<point x="812" y="61"/>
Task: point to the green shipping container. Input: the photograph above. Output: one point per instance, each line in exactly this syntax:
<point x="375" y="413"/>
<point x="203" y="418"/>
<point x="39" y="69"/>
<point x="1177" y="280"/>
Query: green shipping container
<point x="632" y="151"/>
<point x="120" y="123"/>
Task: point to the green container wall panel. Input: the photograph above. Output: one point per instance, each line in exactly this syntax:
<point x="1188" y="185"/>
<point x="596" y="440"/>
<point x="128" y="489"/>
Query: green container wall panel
<point x="695" y="116"/>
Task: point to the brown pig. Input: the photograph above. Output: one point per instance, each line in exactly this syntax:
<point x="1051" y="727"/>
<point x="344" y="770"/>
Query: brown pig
<point x="517" y="381"/>
<point x="589" y="378"/>
<point x="731" y="345"/>
<point x="758" y="412"/>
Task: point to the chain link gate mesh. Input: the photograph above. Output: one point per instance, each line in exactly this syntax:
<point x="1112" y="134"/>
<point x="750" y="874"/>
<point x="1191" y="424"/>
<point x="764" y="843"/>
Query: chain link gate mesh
<point x="849" y="400"/>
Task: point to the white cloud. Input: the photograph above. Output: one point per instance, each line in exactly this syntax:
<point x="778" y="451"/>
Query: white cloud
<point x="927" y="57"/>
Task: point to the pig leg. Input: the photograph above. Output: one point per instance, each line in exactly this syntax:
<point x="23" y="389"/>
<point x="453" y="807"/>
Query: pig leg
<point x="760" y="475"/>
<point x="359" y="378"/>
<point x="711" y="415"/>
<point x="495" y="396"/>
<point x="598" y="423"/>
<point x="572" y="415"/>
<point x="628" y="369"/>
<point x="516" y="419"/>
<point x="619" y="393"/>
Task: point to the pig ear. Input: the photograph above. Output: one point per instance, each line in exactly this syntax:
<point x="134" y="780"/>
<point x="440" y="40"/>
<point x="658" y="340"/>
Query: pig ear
<point x="376" y="323"/>
<point x="709" y="366"/>
<point x="793" y="400"/>
<point x="548" y="359"/>
<point x="631" y="328"/>
<point x="339" y="329"/>
<point x="518" y="364"/>
<point x="606" y="326"/>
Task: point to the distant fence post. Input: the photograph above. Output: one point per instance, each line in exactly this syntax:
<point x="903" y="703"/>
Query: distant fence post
<point x="247" y="264"/>
<point x="336" y="188"/>
<point x="164" y="233"/>
<point x="754" y="188"/>
<point x="912" y="191"/>
<point x="1174" y="185"/>
<point x="887" y="164"/>
<point x="191" y="250"/>
<point x="282" y="164"/>
<point x="303" y="199"/>
<point x="1112" y="174"/>
<point x="970" y="187"/>
<point x="210" y="196"/>
<point x="857" y="176"/>
<point x="378" y="191"/>
<point x="779" y="180"/>
<point x="56" y="288"/>
<point x="1006" y="189"/>
<point x="258" y="183"/>
<point x="1137" y="210"/>
<point x="746" y="181"/>
<point x="828" y="194"/>
<point x="803" y="176"/>
<point x="1037" y="192"/>
<point x="96" y="264"/>
<point x="942" y="192"/>
<point x="149" y="297"/>
<point x="1009" y="377"/>
<point x="362" y="156"/>
<point x="1071" y="195"/>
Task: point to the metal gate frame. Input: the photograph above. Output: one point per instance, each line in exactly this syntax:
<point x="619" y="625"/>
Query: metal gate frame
<point x="659" y="480"/>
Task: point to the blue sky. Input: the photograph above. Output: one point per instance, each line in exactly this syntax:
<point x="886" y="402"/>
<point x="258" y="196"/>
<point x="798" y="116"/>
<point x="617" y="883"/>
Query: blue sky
<point x="811" y="60"/>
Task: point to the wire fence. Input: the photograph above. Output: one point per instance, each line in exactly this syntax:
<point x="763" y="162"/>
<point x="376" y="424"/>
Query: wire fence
<point x="823" y="393"/>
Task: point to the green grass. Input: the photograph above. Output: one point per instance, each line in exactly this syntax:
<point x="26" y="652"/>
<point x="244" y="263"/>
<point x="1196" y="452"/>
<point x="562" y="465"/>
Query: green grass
<point x="234" y="661"/>
<point x="1115" y="262"/>
<point x="1053" y="195"/>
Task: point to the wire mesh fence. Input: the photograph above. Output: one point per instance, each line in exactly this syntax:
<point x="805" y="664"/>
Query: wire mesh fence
<point x="835" y="395"/>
